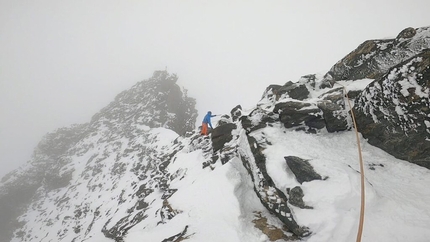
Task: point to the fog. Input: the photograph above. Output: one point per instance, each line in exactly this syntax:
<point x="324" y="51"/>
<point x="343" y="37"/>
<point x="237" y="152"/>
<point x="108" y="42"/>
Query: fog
<point x="62" y="61"/>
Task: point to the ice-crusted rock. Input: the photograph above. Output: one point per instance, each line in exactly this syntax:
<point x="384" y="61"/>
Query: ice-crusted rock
<point x="296" y="108"/>
<point x="293" y="114"/>
<point x="302" y="169"/>
<point x="258" y="118"/>
<point x="293" y="90"/>
<point x="332" y="105"/>
<point x="374" y="58"/>
<point x="270" y="196"/>
<point x="393" y="112"/>
<point x="221" y="135"/>
<point x="236" y="112"/>
<point x="295" y="196"/>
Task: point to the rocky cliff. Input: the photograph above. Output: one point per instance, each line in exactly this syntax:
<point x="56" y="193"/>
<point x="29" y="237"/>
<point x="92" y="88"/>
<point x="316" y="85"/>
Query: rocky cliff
<point x="393" y="110"/>
<point x="374" y="58"/>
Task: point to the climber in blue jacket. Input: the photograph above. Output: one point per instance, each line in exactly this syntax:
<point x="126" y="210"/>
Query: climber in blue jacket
<point x="206" y="122"/>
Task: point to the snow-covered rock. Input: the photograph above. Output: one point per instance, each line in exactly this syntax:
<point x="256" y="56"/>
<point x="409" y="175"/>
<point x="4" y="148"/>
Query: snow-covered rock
<point x="393" y="112"/>
<point x="374" y="58"/>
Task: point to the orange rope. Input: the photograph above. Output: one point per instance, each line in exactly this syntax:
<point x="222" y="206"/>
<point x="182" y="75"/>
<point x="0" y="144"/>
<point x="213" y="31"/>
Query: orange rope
<point x="363" y="191"/>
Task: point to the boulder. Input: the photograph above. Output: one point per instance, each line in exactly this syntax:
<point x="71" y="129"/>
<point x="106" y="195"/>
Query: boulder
<point x="272" y="92"/>
<point x="224" y="119"/>
<point x="294" y="114"/>
<point x="221" y="135"/>
<point x="309" y="79"/>
<point x="393" y="112"/>
<point x="293" y="90"/>
<point x="270" y="196"/>
<point x="257" y="119"/>
<point x="296" y="198"/>
<point x="333" y="109"/>
<point x="302" y="169"/>
<point x="407" y="33"/>
<point x="334" y="116"/>
<point x="373" y="58"/>
<point x="236" y="113"/>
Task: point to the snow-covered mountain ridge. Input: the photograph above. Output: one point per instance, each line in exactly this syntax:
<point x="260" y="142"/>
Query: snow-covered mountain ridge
<point x="67" y="157"/>
<point x="284" y="170"/>
<point x="374" y="58"/>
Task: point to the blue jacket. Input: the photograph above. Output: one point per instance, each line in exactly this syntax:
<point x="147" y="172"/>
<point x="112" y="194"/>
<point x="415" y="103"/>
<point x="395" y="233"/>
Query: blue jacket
<point x="207" y="119"/>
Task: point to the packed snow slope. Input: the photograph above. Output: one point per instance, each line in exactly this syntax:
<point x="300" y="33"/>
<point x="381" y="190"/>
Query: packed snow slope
<point x="284" y="170"/>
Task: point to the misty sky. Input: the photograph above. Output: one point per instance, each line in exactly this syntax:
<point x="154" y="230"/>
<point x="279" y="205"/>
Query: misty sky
<point x="62" y="61"/>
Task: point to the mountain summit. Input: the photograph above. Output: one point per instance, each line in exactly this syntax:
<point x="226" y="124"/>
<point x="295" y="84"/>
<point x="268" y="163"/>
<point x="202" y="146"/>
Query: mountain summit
<point x="283" y="170"/>
<point x="80" y="154"/>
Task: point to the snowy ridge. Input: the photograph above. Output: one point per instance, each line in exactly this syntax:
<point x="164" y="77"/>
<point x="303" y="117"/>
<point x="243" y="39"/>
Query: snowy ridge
<point x="108" y="188"/>
<point x="75" y="171"/>
<point x="155" y="102"/>
<point x="284" y="170"/>
<point x="374" y="58"/>
<point x="153" y="185"/>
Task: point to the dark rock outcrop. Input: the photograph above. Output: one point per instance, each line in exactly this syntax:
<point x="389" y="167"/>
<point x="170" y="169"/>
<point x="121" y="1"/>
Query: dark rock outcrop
<point x="407" y="33"/>
<point x="374" y="58"/>
<point x="270" y="196"/>
<point x="294" y="114"/>
<point x="334" y="116"/>
<point x="302" y="169"/>
<point x="393" y="112"/>
<point x="332" y="106"/>
<point x="221" y="135"/>
<point x="296" y="198"/>
<point x="178" y="237"/>
<point x="257" y="119"/>
<point x="293" y="90"/>
<point x="304" y="115"/>
<point x="224" y="119"/>
<point x="236" y="113"/>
